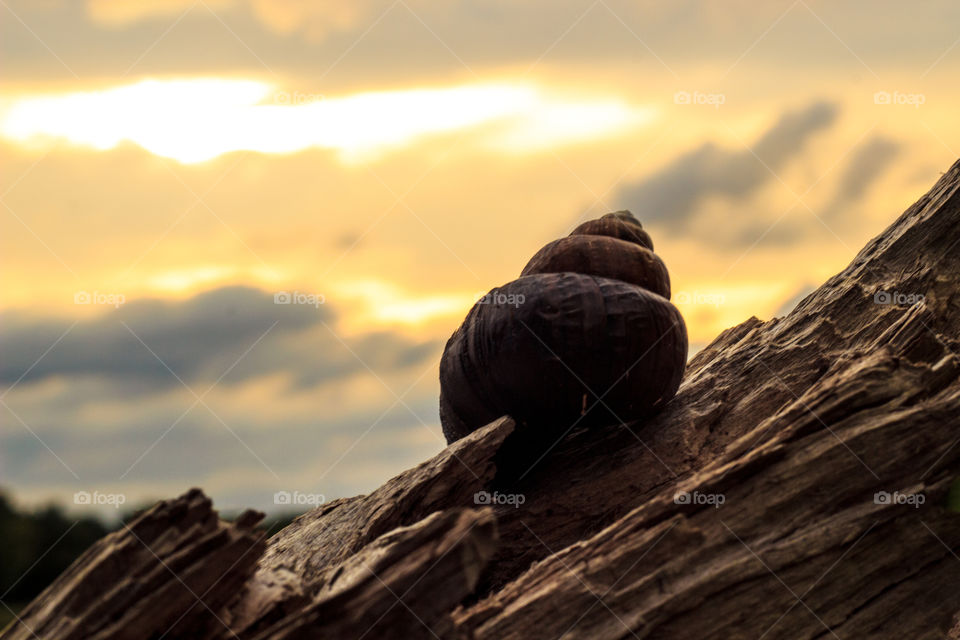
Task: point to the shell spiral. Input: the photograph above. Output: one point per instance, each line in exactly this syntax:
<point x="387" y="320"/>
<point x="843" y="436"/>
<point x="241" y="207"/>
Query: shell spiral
<point x="585" y="336"/>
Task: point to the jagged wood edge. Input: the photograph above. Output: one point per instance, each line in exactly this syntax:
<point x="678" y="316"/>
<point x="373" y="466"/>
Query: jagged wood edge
<point x="169" y="572"/>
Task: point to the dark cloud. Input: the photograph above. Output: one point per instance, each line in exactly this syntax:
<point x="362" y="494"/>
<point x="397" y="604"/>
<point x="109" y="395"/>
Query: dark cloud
<point x="671" y="196"/>
<point x="152" y="450"/>
<point x="866" y="165"/>
<point x="788" y="230"/>
<point x="199" y="443"/>
<point x="121" y="420"/>
<point x="199" y="340"/>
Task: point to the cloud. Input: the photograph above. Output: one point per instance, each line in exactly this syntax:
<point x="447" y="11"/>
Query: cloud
<point x="365" y="42"/>
<point x="98" y="410"/>
<point x="308" y="18"/>
<point x="157" y="446"/>
<point x="201" y="118"/>
<point x="865" y="167"/>
<point x="671" y="196"/>
<point x="301" y="407"/>
<point x="235" y="332"/>
<point x="314" y="20"/>
<point x="120" y="13"/>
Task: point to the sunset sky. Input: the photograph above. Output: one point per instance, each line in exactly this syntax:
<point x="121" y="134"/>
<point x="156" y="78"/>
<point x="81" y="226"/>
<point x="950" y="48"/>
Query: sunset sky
<point x="169" y="167"/>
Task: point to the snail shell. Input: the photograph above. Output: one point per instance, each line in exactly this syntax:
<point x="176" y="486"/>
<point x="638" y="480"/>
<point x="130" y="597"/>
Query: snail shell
<point x="588" y="318"/>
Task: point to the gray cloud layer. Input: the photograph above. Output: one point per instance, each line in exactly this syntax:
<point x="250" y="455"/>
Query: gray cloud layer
<point x="412" y="37"/>
<point x="120" y="419"/>
<point x="866" y="166"/>
<point x="198" y="339"/>
<point x="671" y="196"/>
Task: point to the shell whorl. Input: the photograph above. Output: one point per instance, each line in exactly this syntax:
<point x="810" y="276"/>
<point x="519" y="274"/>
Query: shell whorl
<point x="603" y="256"/>
<point x="619" y="224"/>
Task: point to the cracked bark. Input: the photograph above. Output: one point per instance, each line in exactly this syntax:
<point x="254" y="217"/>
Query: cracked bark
<point x="169" y="572"/>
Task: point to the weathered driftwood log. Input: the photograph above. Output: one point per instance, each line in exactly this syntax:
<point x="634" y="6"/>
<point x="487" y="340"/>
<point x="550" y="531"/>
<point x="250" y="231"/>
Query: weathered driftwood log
<point x="168" y="573"/>
<point x="586" y="336"/>
<point x="828" y="519"/>
<point x="295" y="566"/>
<point x="741" y="391"/>
<point x="403" y="585"/>
<point x="796" y="487"/>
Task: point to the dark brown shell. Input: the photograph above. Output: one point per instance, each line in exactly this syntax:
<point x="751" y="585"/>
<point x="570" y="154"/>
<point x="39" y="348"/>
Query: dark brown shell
<point x="620" y="224"/>
<point x="603" y="256"/>
<point x="566" y="339"/>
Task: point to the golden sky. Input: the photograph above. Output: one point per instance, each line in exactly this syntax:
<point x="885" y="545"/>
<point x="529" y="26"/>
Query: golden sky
<point x="170" y="166"/>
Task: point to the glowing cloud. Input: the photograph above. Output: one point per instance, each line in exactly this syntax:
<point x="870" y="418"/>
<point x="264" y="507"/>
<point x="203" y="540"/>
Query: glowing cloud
<point x="199" y="119"/>
<point x="383" y="303"/>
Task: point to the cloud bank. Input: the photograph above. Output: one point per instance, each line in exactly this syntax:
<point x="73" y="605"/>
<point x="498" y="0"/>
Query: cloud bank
<point x="235" y="332"/>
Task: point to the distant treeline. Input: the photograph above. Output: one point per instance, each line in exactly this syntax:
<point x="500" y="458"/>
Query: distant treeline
<point x="36" y="547"/>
